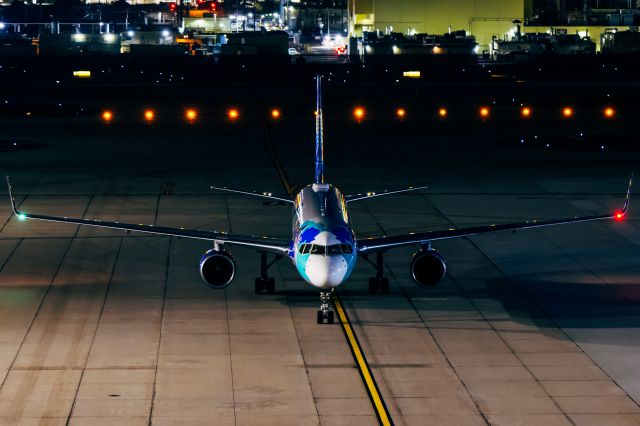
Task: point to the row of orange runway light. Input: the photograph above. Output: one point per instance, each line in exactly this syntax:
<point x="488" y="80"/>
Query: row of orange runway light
<point x="359" y="113"/>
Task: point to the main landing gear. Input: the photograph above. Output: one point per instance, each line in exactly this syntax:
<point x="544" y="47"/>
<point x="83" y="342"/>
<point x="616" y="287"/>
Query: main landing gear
<point x="325" y="312"/>
<point x="265" y="284"/>
<point x="379" y="283"/>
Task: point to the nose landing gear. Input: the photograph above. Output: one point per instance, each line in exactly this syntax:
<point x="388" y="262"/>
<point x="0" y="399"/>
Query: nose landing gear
<point x="325" y="312"/>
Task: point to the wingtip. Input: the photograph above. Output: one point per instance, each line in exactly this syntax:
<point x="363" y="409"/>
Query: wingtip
<point x="13" y="201"/>
<point x="627" y="198"/>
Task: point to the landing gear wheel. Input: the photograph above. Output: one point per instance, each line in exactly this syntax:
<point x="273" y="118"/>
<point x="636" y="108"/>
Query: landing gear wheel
<point x="379" y="285"/>
<point x="325" y="311"/>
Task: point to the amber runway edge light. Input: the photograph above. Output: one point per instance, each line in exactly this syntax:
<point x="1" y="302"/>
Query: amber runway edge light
<point x="191" y="115"/>
<point x="107" y="116"/>
<point x="401" y="113"/>
<point x="567" y="112"/>
<point x="358" y="113"/>
<point x="525" y="112"/>
<point x="484" y="112"/>
<point x="275" y="113"/>
<point x="233" y="114"/>
<point x="149" y="115"/>
<point x="609" y="112"/>
<point x="442" y="112"/>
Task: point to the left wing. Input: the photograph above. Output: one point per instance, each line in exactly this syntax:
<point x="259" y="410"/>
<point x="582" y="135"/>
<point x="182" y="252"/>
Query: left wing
<point x="368" y="245"/>
<point x="270" y="244"/>
<point x="357" y="197"/>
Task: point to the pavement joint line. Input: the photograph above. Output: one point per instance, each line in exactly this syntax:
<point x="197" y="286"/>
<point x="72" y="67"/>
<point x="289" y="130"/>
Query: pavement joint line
<point x="473" y="303"/>
<point x="379" y="406"/>
<point x="42" y="301"/>
<point x="160" y="333"/>
<point x="95" y="331"/>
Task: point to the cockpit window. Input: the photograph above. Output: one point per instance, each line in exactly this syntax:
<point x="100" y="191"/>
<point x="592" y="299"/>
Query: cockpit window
<point x="317" y="249"/>
<point x="333" y="250"/>
<point x="304" y="248"/>
<point x="346" y="248"/>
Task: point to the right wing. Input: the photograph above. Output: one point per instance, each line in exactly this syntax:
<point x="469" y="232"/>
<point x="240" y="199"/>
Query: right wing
<point x="280" y="246"/>
<point x="369" y="245"/>
<point x="357" y="197"/>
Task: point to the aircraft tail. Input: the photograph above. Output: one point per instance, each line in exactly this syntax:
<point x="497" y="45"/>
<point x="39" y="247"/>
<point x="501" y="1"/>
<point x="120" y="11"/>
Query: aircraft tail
<point x="319" y="178"/>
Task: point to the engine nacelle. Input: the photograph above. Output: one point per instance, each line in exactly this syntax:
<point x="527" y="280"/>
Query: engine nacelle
<point x="428" y="267"/>
<point x="217" y="268"/>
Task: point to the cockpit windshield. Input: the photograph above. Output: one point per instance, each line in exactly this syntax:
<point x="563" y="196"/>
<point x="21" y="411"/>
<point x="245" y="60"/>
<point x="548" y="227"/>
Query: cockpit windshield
<point x="332" y="250"/>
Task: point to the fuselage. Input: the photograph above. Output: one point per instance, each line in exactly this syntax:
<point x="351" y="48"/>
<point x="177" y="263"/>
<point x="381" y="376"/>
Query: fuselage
<point x="323" y="247"/>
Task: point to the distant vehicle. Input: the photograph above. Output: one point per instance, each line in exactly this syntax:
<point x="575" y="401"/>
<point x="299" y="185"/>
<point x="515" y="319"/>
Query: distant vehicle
<point x="323" y="246"/>
<point x="341" y="50"/>
<point x="293" y="51"/>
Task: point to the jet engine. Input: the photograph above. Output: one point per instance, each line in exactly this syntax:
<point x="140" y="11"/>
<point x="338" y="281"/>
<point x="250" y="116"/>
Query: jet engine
<point x="217" y="268"/>
<point x="428" y="267"/>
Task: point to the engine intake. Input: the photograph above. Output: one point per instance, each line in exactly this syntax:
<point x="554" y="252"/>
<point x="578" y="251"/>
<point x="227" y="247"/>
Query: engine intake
<point x="428" y="267"/>
<point x="217" y="268"/>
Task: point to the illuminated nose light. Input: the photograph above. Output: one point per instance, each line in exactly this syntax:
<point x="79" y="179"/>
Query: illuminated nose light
<point x="275" y="113"/>
<point x="149" y="115"/>
<point x="442" y="112"/>
<point x="233" y="114"/>
<point x="609" y="112"/>
<point x="484" y="112"/>
<point x="567" y="112"/>
<point x="107" y="116"/>
<point x="191" y="115"/>
<point x="401" y="112"/>
<point x="525" y="112"/>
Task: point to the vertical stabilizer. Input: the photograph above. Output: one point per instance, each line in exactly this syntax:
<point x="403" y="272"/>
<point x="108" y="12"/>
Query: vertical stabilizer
<point x="319" y="142"/>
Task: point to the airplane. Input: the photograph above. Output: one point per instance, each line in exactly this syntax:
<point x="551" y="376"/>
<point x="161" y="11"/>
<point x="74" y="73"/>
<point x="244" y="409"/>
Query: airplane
<point x="323" y="248"/>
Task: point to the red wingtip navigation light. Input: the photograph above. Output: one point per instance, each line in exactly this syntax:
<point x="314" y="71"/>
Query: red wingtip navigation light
<point x="619" y="216"/>
<point x="107" y="116"/>
<point x="233" y="114"/>
<point x="358" y="113"/>
<point x="149" y="115"/>
<point x="275" y="113"/>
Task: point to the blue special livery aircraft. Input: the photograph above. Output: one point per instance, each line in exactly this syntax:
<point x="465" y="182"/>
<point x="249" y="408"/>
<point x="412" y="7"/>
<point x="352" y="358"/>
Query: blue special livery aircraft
<point x="323" y="248"/>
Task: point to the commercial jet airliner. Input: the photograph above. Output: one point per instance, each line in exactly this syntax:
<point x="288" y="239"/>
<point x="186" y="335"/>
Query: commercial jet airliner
<point x="323" y="246"/>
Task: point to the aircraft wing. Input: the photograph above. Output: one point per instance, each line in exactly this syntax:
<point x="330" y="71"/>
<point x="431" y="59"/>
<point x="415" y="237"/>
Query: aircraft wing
<point x="369" y="245"/>
<point x="280" y="246"/>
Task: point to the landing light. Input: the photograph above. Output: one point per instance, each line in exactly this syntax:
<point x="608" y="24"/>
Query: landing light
<point x="149" y="115"/>
<point x="567" y="112"/>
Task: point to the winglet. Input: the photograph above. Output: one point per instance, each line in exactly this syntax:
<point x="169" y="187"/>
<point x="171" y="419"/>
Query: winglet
<point x="628" y="197"/>
<point x="13" y="202"/>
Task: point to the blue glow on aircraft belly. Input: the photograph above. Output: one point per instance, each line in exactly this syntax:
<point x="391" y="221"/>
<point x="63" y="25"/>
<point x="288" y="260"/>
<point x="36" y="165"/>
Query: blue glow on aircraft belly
<point x="323" y="248"/>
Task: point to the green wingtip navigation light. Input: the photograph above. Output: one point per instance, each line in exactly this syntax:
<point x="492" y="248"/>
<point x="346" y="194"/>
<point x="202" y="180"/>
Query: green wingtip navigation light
<point x="22" y="216"/>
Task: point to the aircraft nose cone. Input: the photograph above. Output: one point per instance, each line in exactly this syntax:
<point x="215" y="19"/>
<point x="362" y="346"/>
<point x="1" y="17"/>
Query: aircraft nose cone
<point x="326" y="271"/>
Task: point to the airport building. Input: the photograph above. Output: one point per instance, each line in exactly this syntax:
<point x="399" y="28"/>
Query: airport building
<point x="482" y="18"/>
